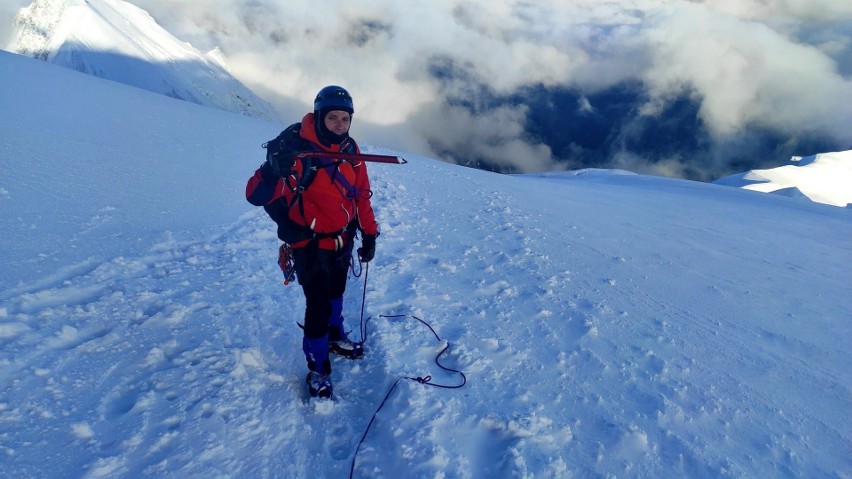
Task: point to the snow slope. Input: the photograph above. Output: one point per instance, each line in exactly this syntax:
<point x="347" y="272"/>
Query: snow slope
<point x="116" y="40"/>
<point x="825" y="178"/>
<point x="609" y="324"/>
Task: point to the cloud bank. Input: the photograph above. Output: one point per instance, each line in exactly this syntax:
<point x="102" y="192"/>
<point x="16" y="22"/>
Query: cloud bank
<point x="697" y="89"/>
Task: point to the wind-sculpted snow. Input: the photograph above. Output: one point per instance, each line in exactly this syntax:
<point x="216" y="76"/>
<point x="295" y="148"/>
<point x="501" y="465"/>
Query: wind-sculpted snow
<point x="608" y="324"/>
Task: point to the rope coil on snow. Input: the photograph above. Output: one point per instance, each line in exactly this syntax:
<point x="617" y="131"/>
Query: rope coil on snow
<point x="425" y="380"/>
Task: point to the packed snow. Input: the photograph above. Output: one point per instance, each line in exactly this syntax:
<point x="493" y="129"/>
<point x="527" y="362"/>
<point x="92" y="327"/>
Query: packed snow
<point x="609" y="324"/>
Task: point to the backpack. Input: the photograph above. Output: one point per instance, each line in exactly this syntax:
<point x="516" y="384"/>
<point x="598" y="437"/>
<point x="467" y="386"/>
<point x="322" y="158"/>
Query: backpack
<point x="286" y="142"/>
<point x="289" y="231"/>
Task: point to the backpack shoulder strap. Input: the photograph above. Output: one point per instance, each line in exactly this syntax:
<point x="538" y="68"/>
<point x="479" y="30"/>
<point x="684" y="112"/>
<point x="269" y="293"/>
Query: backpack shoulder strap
<point x="309" y="172"/>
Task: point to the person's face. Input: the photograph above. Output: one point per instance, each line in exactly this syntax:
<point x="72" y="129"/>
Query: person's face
<point x="337" y="121"/>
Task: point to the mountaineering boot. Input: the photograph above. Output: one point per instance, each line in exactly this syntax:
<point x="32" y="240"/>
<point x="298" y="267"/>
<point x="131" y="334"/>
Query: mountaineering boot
<point x="346" y="348"/>
<point x="338" y="340"/>
<point x="319" y="386"/>
<point x="319" y="377"/>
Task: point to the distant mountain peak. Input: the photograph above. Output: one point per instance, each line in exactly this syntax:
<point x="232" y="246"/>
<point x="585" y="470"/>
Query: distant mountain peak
<point x="118" y="41"/>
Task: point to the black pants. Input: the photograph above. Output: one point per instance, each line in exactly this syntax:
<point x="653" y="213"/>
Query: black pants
<point x="322" y="275"/>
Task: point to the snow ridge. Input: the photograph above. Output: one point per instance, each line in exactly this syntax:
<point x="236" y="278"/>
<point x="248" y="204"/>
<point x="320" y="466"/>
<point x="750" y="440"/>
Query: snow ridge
<point x="118" y="41"/>
<point x="823" y="178"/>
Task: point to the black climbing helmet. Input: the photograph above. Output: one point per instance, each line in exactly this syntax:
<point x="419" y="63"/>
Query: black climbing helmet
<point x="333" y="97"/>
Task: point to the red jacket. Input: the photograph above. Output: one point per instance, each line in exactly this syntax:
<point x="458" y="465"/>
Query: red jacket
<point x="338" y="195"/>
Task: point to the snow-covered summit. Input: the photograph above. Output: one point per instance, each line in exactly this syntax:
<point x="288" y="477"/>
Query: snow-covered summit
<point x="824" y="178"/>
<point x="118" y="41"/>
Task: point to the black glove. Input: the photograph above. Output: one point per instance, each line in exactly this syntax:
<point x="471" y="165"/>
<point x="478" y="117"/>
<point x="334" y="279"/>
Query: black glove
<point x="281" y="161"/>
<point x="281" y="153"/>
<point x="368" y="248"/>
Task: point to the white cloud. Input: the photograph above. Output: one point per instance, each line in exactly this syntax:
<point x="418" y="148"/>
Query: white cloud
<point x="784" y="10"/>
<point x="744" y="72"/>
<point x="498" y="136"/>
<point x="777" y="64"/>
